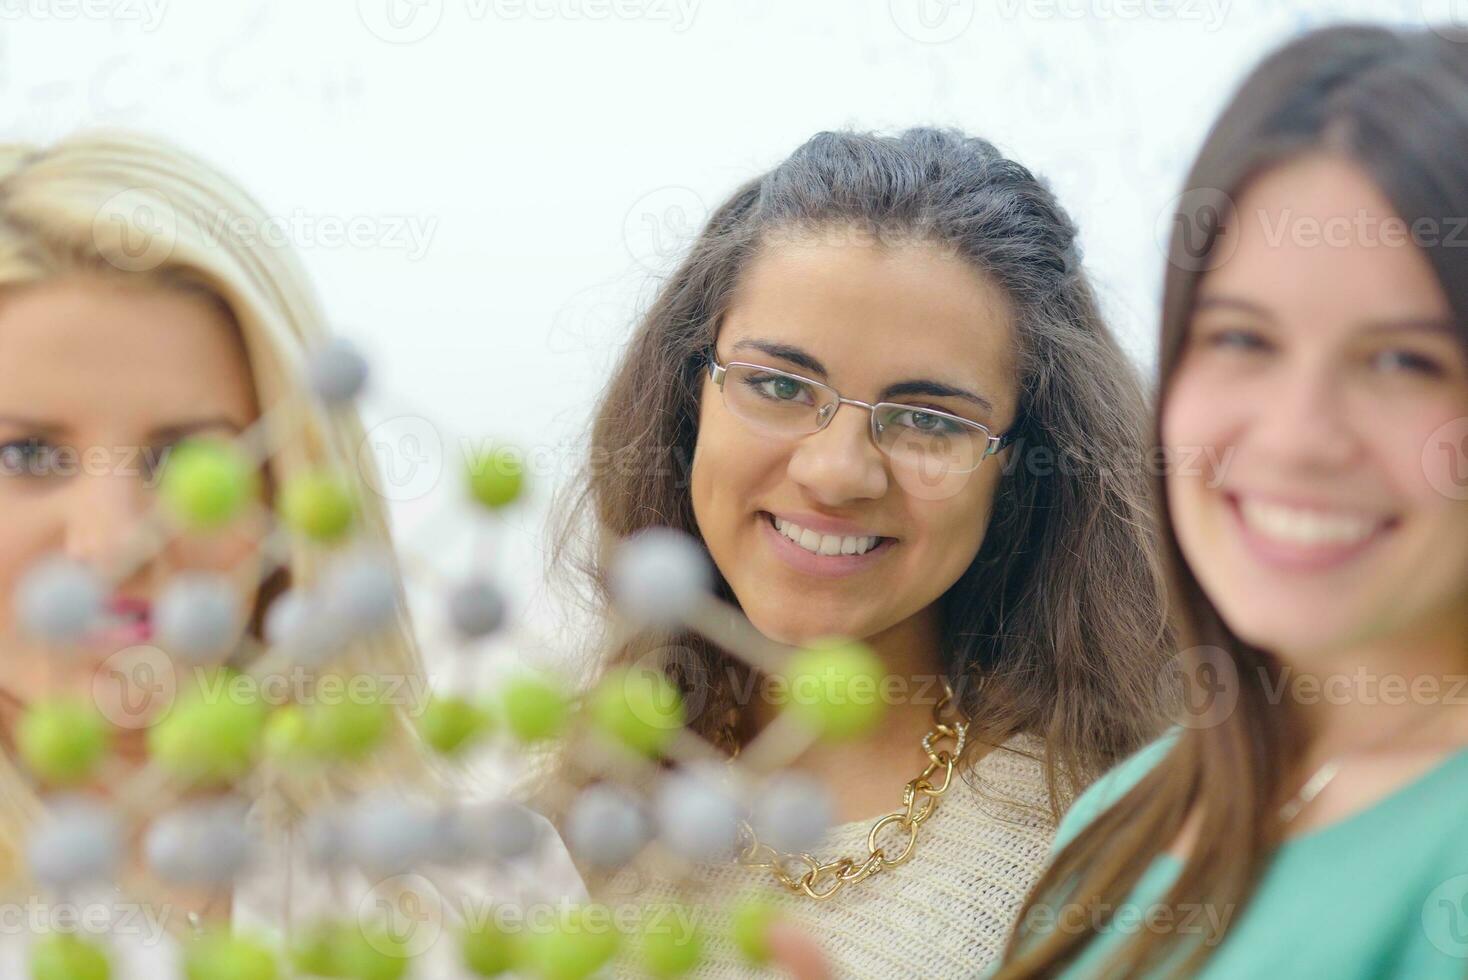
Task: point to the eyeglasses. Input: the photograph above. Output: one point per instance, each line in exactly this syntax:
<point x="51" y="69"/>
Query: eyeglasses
<point x="785" y="404"/>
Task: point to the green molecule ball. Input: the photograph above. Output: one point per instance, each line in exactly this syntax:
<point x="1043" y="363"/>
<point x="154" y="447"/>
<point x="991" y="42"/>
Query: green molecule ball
<point x="349" y="727"/>
<point x="583" y="942"/>
<point x="451" y="724"/>
<point x="671" y="945"/>
<point x="211" y="738"/>
<point x="206" y="484"/>
<point x="227" y="957"/>
<point x="749" y="927"/>
<point x="489" y="951"/>
<point x="496" y="477"/>
<point x="836" y="688"/>
<point x="369" y="955"/>
<point x="638" y="707"/>
<point x="319" y="506"/>
<point x="67" y="956"/>
<point x="62" y="741"/>
<point x="534" y="708"/>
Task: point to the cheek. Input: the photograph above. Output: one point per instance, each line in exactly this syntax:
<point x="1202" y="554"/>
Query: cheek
<point x="953" y="527"/>
<point x="1427" y="459"/>
<point x="25" y="539"/>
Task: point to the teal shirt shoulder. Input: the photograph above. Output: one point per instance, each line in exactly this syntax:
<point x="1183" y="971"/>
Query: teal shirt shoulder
<point x="1382" y="893"/>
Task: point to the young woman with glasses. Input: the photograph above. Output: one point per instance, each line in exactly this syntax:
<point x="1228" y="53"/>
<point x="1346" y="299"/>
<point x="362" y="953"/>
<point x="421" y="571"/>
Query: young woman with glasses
<point x="878" y="391"/>
<point x="1308" y="818"/>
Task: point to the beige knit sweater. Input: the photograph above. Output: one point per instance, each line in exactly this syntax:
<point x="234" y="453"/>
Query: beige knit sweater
<point x="946" y="912"/>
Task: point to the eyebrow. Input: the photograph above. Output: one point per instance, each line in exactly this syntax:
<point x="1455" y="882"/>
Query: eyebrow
<point x="1425" y="324"/>
<point x="173" y="431"/>
<point x="900" y="389"/>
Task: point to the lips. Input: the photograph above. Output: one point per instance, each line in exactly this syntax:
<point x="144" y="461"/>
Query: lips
<point x="820" y="565"/>
<point x="1299" y="537"/>
<point x="130" y="620"/>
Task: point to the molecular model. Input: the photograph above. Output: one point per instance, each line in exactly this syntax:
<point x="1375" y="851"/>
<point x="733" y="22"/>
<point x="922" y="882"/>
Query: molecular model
<point x="664" y="798"/>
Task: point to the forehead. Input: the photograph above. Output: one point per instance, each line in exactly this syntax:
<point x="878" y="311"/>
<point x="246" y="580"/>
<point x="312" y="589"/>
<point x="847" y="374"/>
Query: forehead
<point x="84" y="350"/>
<point x="1318" y="244"/>
<point x="872" y="312"/>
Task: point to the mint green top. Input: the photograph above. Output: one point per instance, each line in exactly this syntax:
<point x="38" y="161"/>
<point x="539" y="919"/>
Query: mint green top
<point x="1381" y="893"/>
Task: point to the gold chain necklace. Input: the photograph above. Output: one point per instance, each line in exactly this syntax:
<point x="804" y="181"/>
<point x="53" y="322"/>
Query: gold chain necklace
<point x="804" y="875"/>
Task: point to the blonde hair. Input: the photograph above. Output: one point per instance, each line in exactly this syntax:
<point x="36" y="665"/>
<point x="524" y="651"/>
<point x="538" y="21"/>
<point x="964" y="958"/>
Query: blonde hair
<point x="120" y="204"/>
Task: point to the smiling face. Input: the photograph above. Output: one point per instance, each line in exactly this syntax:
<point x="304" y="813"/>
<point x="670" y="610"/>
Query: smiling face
<point x="111" y="375"/>
<point x="1320" y="370"/>
<point x="897" y="324"/>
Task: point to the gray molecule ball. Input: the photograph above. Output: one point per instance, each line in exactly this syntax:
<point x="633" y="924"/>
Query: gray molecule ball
<point x="77" y="842"/>
<point x="504" y="830"/>
<point x="59" y="601"/>
<point x="324" y="835"/>
<point x="659" y="575"/>
<point x="476" y="609"/>
<point x="297" y="625"/>
<point x="387" y="834"/>
<point x="360" y="593"/>
<point x="337" y="372"/>
<point x="199" y="617"/>
<point x="605" y="826"/>
<point x="205" y="843"/>
<point x="697" y="817"/>
<point x="792" y="813"/>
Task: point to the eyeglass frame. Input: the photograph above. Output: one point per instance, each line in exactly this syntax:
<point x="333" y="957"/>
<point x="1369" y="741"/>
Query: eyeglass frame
<point x="717" y="373"/>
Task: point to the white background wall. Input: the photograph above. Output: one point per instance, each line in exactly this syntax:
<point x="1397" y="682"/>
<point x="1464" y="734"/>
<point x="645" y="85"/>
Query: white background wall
<point x="516" y="172"/>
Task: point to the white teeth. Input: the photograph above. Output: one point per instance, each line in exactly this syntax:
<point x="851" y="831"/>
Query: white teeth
<point x="1305" y="527"/>
<point x="826" y="544"/>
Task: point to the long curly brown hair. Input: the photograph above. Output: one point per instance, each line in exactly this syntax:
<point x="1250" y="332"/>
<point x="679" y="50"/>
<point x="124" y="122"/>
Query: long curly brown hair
<point x="1057" y="628"/>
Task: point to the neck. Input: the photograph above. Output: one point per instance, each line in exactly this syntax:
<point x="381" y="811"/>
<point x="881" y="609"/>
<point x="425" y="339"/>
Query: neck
<point x="1414" y="682"/>
<point x="866" y="774"/>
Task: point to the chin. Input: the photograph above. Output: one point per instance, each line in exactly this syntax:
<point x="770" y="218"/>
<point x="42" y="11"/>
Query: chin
<point x="795" y="627"/>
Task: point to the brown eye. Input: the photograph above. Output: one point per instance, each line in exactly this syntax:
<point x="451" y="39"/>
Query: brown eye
<point x="1408" y="361"/>
<point x="25" y="457"/>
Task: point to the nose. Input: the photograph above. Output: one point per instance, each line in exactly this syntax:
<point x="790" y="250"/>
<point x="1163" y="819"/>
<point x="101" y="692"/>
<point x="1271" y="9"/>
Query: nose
<point x="101" y="511"/>
<point x="840" y="463"/>
<point x="1303" y="422"/>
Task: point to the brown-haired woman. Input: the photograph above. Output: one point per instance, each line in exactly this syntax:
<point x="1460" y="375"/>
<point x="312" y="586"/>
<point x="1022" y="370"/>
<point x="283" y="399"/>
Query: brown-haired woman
<point x="869" y="298"/>
<point x="1306" y="820"/>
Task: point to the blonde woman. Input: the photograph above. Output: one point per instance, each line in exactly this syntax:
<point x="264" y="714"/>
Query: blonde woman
<point x="139" y="309"/>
